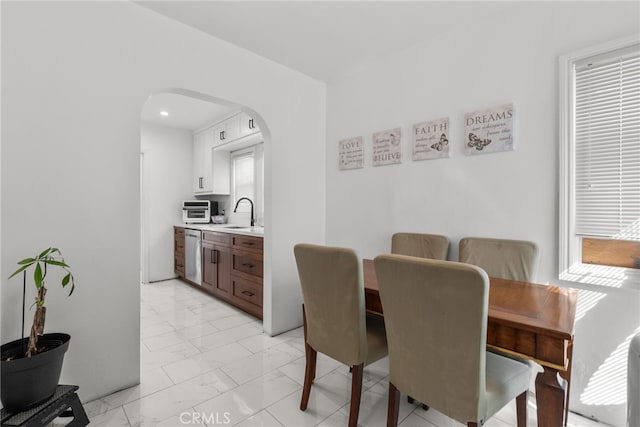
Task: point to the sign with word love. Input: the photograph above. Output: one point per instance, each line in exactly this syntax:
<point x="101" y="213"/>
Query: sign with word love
<point x="351" y="153"/>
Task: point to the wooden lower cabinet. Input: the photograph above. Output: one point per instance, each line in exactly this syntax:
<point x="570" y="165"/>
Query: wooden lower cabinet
<point x="232" y="268"/>
<point x="216" y="264"/>
<point x="178" y="251"/>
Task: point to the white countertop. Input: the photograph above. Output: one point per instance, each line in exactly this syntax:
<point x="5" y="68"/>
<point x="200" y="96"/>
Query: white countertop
<point x="226" y="228"/>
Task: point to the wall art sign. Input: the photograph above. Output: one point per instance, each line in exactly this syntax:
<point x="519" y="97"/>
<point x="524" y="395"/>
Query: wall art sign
<point x="431" y="139"/>
<point x="489" y="130"/>
<point x="351" y="153"/>
<point x="387" y="147"/>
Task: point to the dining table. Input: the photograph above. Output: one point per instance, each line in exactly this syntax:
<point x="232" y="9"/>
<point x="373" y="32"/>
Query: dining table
<point x="526" y="320"/>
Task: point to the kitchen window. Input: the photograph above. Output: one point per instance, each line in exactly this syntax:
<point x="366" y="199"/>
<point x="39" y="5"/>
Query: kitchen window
<point x="247" y="180"/>
<point x="600" y="164"/>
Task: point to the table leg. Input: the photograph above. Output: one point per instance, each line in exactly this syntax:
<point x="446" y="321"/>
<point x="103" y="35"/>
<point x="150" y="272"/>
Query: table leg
<point x="549" y="398"/>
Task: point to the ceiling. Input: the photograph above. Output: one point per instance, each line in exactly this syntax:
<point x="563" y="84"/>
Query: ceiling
<point x="322" y="39"/>
<point x="183" y="112"/>
<point x="325" y="39"/>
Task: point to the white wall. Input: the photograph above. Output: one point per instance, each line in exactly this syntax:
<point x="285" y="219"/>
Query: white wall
<point x="75" y="76"/>
<point x="166" y="183"/>
<point x="512" y="57"/>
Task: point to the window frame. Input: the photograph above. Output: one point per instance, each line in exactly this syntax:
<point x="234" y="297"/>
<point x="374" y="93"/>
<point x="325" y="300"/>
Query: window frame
<point x="570" y="263"/>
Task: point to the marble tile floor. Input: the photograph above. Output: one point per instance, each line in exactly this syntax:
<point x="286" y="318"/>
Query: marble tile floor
<point x="204" y="363"/>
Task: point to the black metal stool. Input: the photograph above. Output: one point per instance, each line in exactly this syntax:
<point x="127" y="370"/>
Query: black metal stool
<point x="64" y="399"/>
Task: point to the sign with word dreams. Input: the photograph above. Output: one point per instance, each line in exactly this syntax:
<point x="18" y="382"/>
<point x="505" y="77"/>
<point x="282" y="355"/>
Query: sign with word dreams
<point x="351" y="153"/>
<point x="489" y="130"/>
<point x="387" y="147"/>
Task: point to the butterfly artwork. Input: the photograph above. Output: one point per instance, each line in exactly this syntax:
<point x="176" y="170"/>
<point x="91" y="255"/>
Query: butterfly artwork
<point x="440" y="145"/>
<point x="476" y="142"/>
<point x="489" y="130"/>
<point x="431" y="139"/>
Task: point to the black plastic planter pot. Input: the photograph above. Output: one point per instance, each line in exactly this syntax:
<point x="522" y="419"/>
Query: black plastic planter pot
<point x="28" y="381"/>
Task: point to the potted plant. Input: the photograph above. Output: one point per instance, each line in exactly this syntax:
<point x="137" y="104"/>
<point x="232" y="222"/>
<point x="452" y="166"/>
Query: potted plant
<point x="30" y="367"/>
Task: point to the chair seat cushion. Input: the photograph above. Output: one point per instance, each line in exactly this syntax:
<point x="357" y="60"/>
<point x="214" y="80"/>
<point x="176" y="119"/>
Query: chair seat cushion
<point x="376" y="339"/>
<point x="506" y="378"/>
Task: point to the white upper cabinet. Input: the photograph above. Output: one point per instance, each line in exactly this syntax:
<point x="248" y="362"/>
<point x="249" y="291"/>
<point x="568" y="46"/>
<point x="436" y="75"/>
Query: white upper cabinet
<point x="247" y="125"/>
<point x="211" y="169"/>
<point x="227" y="131"/>
<point x="202" y="162"/>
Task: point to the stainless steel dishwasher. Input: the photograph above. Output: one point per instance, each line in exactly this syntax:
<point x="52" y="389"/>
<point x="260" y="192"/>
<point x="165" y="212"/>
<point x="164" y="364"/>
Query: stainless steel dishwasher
<point x="192" y="254"/>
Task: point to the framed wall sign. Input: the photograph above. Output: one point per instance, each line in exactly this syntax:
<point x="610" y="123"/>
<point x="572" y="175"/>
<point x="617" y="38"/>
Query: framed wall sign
<point x="351" y="153"/>
<point x="387" y="147"/>
<point x="489" y="130"/>
<point x="431" y="139"/>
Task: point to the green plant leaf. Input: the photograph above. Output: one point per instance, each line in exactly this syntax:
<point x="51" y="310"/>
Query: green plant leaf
<point x="72" y="288"/>
<point x="20" y="270"/>
<point x="27" y="261"/>
<point x="44" y="253"/>
<point x="37" y="276"/>
<point x="65" y="280"/>
<point x="55" y="262"/>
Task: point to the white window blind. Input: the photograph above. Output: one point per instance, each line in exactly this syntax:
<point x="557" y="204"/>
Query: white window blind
<point x="243" y="179"/>
<point x="607" y="145"/>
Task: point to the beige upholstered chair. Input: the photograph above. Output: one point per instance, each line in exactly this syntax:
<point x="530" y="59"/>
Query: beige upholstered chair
<point x="436" y="320"/>
<point x="505" y="259"/>
<point x="420" y="245"/>
<point x="335" y="321"/>
<point x="512" y="260"/>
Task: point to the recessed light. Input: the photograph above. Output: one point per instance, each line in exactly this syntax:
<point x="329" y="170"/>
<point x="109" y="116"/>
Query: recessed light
<point x="164" y="113"/>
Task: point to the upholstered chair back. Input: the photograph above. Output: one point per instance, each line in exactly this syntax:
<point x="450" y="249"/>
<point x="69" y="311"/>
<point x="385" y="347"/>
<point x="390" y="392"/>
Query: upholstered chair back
<point x="420" y="245"/>
<point x="436" y="321"/>
<point x="333" y="294"/>
<point x="501" y="258"/>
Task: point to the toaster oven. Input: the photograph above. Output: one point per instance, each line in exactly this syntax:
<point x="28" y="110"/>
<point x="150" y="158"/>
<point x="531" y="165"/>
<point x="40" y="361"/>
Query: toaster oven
<point x="196" y="211"/>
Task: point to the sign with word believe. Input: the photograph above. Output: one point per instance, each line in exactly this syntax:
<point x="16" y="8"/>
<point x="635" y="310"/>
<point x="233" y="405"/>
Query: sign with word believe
<point x="489" y="130"/>
<point x="431" y="139"/>
<point x="351" y="153"/>
<point x="387" y="147"/>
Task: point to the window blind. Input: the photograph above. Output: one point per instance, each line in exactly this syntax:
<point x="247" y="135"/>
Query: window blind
<point x="243" y="179"/>
<point x="607" y="145"/>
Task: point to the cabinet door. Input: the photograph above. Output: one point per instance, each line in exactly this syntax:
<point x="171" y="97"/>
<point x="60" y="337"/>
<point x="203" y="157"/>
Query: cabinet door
<point x="248" y="125"/>
<point x="178" y="252"/>
<point x="199" y="141"/>
<point x="216" y="269"/>
<point x="232" y="129"/>
<point x="202" y="162"/>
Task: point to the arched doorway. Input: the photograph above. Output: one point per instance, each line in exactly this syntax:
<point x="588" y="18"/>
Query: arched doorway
<point x="167" y="143"/>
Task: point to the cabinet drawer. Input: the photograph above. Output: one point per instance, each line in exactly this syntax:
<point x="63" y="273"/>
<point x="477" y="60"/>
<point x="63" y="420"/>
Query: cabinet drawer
<point x="247" y="242"/>
<point x="247" y="262"/>
<point x="179" y="231"/>
<point x="218" y="238"/>
<point x="247" y="291"/>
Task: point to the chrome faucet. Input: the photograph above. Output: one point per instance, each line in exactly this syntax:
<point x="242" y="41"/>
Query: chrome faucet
<point x="249" y="200"/>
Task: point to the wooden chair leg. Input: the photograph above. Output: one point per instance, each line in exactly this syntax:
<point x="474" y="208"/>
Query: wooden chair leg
<point x="566" y="375"/>
<point x="393" y="409"/>
<point x="310" y="366"/>
<point x="356" y="394"/>
<point x="470" y="424"/>
<point x="521" y="409"/>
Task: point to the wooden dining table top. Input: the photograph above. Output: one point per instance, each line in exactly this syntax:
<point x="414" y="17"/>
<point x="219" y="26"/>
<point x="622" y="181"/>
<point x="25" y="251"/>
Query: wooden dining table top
<point x="526" y="306"/>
